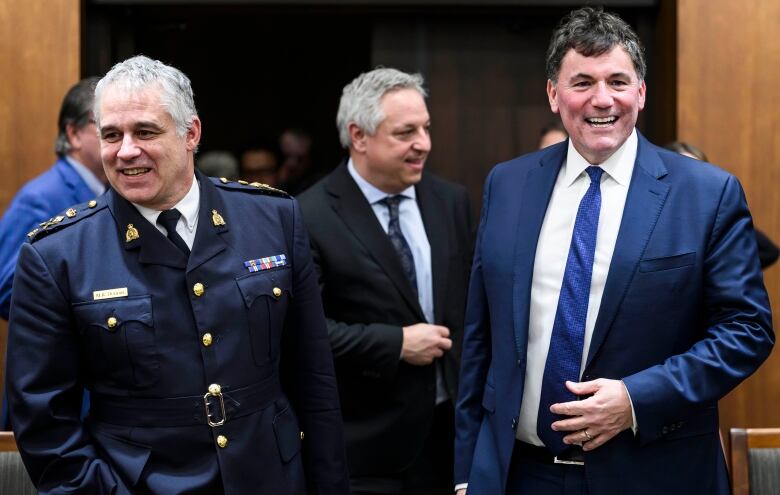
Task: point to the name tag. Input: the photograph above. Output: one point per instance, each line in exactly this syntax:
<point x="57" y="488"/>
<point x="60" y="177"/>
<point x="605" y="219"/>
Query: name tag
<point x="109" y="293"/>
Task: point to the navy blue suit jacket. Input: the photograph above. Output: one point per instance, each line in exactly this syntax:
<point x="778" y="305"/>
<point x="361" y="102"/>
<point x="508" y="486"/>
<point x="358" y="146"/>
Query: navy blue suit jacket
<point x="40" y="199"/>
<point x="140" y="352"/>
<point x="684" y="318"/>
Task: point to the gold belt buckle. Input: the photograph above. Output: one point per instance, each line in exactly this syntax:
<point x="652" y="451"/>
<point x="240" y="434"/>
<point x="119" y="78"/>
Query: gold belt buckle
<point x="207" y="406"/>
<point x="567" y="461"/>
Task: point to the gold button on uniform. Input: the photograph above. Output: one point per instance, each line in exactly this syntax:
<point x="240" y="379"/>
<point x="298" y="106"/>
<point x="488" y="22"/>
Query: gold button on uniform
<point x="111" y="322"/>
<point x="206" y="339"/>
<point x="301" y="435"/>
<point x="215" y="389"/>
<point x="277" y="292"/>
<point x="92" y="203"/>
<point x="198" y="289"/>
<point x="222" y="441"/>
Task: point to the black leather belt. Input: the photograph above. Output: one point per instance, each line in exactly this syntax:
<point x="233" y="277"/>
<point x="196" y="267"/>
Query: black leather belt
<point x="185" y="411"/>
<point x="573" y="455"/>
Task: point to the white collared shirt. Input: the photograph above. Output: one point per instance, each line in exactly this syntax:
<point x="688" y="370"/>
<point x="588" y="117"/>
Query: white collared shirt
<point x="189" y="206"/>
<point x="92" y="182"/>
<point x="551" y="253"/>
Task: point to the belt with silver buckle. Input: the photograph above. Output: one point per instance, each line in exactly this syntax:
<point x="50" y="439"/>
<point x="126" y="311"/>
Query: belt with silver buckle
<point x="219" y="404"/>
<point x="572" y="456"/>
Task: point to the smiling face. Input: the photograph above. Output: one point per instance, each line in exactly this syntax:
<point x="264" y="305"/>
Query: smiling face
<point x="599" y="99"/>
<point x="393" y="158"/>
<point x="145" y="159"/>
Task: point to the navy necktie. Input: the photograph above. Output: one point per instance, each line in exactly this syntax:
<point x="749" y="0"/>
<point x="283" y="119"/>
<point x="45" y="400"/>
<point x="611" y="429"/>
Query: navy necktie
<point x="168" y="219"/>
<point x="399" y="241"/>
<point x="566" y="344"/>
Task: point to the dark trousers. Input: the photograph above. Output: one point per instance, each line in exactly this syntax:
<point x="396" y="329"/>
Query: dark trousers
<point x="528" y="474"/>
<point x="430" y="474"/>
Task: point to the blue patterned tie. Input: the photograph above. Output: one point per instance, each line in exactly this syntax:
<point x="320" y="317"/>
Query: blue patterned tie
<point x="398" y="240"/>
<point x="565" y="354"/>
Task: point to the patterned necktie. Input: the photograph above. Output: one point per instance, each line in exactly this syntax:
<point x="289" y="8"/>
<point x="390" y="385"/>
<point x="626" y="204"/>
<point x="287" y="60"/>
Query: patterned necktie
<point x="168" y="219"/>
<point x="565" y="355"/>
<point x="398" y="239"/>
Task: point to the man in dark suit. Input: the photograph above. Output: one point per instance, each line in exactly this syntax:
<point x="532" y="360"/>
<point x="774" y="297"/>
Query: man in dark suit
<point x="392" y="245"/>
<point x="189" y="308"/>
<point x="615" y="296"/>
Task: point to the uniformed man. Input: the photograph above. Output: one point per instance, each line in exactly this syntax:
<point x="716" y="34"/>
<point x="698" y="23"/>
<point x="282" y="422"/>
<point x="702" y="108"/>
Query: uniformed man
<point x="188" y="307"/>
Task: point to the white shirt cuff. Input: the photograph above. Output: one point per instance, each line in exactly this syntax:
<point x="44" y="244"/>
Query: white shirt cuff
<point x="634" y="426"/>
<point x="461" y="486"/>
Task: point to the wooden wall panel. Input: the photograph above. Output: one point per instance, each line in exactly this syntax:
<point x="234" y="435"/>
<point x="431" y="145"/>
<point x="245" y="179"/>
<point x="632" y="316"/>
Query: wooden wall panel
<point x="729" y="105"/>
<point x="39" y="61"/>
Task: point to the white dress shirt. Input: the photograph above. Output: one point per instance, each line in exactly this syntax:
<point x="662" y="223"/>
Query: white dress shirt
<point x="189" y="206"/>
<point x="551" y="253"/>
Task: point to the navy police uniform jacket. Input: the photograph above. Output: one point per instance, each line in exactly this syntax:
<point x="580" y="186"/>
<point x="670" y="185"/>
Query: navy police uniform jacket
<point x="166" y="343"/>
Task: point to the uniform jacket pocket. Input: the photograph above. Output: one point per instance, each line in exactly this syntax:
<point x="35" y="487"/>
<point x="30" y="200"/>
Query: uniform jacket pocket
<point x="119" y="338"/>
<point x="288" y="435"/>
<point x="266" y="296"/>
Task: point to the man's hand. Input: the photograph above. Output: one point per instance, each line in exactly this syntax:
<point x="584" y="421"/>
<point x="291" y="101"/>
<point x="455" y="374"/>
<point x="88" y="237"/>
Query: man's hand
<point x="424" y="342"/>
<point x="462" y="491"/>
<point x="598" y="418"/>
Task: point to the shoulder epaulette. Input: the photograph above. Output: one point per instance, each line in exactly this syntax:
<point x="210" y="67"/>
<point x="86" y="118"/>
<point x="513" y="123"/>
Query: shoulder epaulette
<point x="66" y="218"/>
<point x="243" y="185"/>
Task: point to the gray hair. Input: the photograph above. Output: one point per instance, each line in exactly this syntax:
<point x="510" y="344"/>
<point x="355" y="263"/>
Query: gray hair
<point x="138" y="73"/>
<point x="360" y="100"/>
<point x="76" y="110"/>
<point x="592" y="32"/>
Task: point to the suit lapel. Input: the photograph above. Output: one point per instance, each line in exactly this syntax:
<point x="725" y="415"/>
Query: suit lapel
<point x="79" y="191"/>
<point x="351" y="206"/>
<point x="534" y="197"/>
<point x="645" y="200"/>
<point x="433" y="212"/>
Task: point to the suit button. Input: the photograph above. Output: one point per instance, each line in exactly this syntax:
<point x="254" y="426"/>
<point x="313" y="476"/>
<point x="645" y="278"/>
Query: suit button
<point x="302" y="435"/>
<point x="198" y="289"/>
<point x="514" y="424"/>
<point x="664" y="430"/>
<point x="222" y="441"/>
<point x="206" y="339"/>
<point x="111" y="322"/>
<point x="277" y="292"/>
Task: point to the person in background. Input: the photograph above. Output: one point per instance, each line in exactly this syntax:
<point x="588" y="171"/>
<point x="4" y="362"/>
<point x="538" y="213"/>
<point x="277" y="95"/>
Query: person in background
<point x="259" y="164"/>
<point x="552" y="133"/>
<point x="218" y="163"/>
<point x="75" y="177"/>
<point x="392" y="244"/>
<point x="188" y="306"/>
<point x="296" y="172"/>
<point x="768" y="251"/>
<point x="615" y="297"/>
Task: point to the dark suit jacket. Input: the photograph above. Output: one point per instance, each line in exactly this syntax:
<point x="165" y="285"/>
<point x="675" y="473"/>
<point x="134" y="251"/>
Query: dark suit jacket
<point x="145" y="361"/>
<point x="683" y="319"/>
<point x="387" y="404"/>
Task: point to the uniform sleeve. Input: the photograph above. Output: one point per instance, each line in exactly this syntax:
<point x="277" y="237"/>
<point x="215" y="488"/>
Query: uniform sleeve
<point x="20" y="218"/>
<point x="738" y="333"/>
<point x="45" y="389"/>
<point x="309" y="377"/>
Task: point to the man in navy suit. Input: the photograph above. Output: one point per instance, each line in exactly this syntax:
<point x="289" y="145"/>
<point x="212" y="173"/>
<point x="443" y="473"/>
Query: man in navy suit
<point x="77" y="176"/>
<point x="188" y="307"/>
<point x="615" y="296"/>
